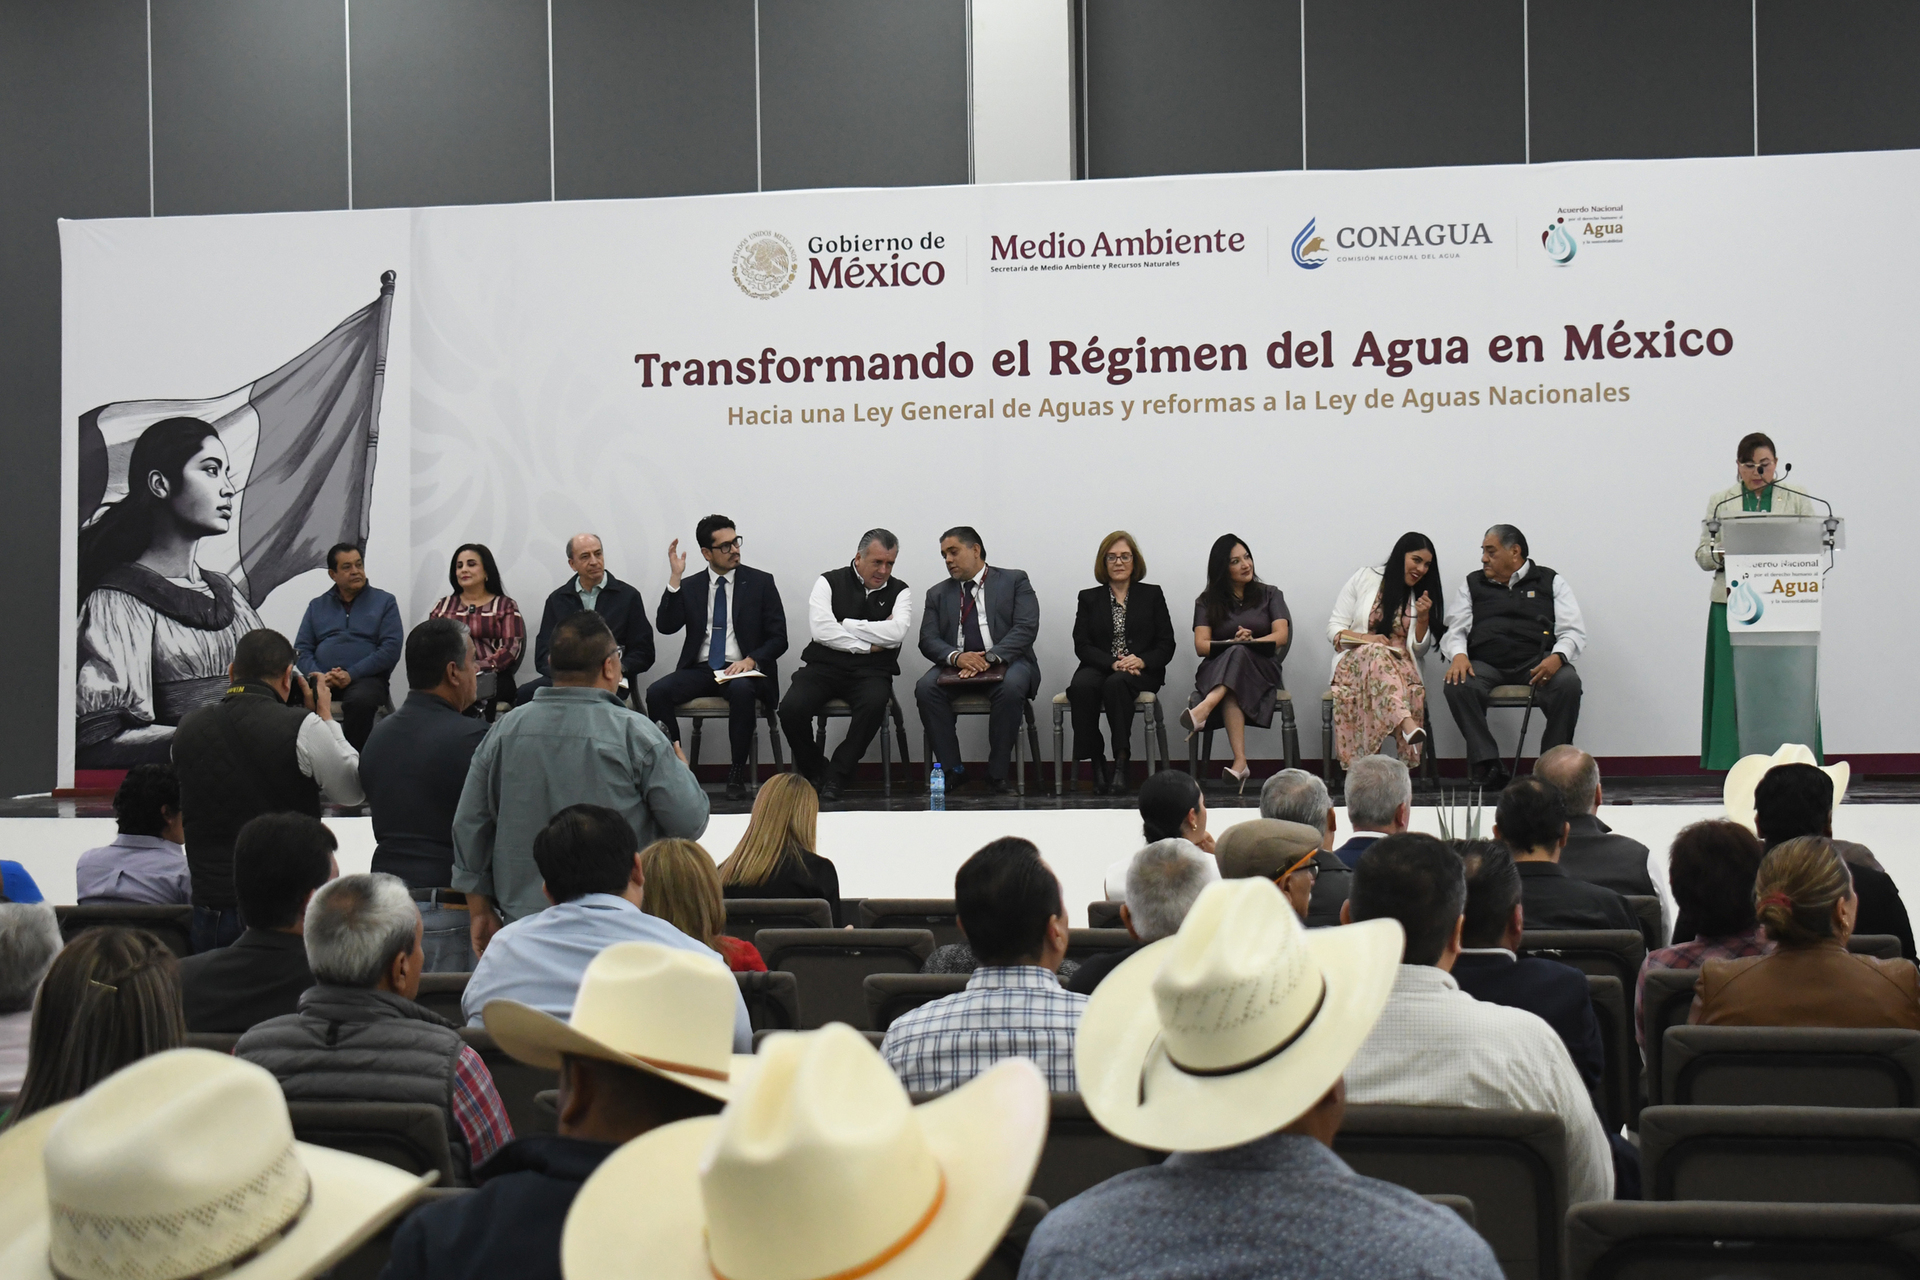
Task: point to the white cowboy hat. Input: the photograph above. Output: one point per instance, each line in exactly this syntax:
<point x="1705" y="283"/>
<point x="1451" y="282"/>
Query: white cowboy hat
<point x="183" y="1164"/>
<point x="1235" y="1026"/>
<point x="1744" y="779"/>
<point x="821" y="1167"/>
<point x="656" y="1009"/>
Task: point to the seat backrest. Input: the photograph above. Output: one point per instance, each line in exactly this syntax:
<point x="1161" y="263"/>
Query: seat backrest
<point x="1615" y="952"/>
<point x="370" y="1258"/>
<point x="1790" y="1067"/>
<point x="215" y="1041"/>
<point x="1635" y="1240"/>
<point x="1004" y="1262"/>
<point x="773" y="1000"/>
<point x="1883" y="946"/>
<point x="517" y="1083"/>
<point x="1104" y="915"/>
<point x="748" y="916"/>
<point x="441" y="993"/>
<point x="1620" y="1058"/>
<point x="1824" y="1155"/>
<point x="938" y="916"/>
<point x="891" y="994"/>
<point x="1459" y="1204"/>
<point x="1665" y="1001"/>
<point x="406" y="1135"/>
<point x="1511" y="1164"/>
<point x="832" y="965"/>
<point x="1084" y="944"/>
<point x="1646" y="909"/>
<point x="1080" y="1154"/>
<point x="172" y="925"/>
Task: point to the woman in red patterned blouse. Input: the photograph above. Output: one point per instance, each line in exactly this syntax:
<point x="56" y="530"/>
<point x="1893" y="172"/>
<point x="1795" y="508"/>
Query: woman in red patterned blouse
<point x="499" y="632"/>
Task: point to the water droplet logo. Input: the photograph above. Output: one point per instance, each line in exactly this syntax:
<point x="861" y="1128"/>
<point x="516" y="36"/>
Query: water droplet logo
<point x="1558" y="242"/>
<point x="1309" y="250"/>
<point x="1744" y="605"/>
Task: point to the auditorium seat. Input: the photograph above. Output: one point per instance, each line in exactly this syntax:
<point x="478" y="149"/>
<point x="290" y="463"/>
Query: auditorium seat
<point x="832" y="965"/>
<point x="1511" y="1164"/>
<point x="1609" y="952"/>
<point x="1460" y="1205"/>
<point x="1153" y="731"/>
<point x="441" y="993"/>
<point x="1512" y="697"/>
<point x="1646" y="909"/>
<point x="172" y="925"/>
<point x="1664" y="1002"/>
<point x="213" y="1041"/>
<point x="1004" y="1262"/>
<point x="516" y="1082"/>
<point x="1084" y="944"/>
<point x="1881" y="946"/>
<point x="1080" y="1154"/>
<point x="701" y="710"/>
<point x="406" y="1135"/>
<point x="1790" y="1067"/>
<point x="939" y="916"/>
<point x="891" y="994"/>
<point x="748" y="916"/>
<point x="1620" y="1058"/>
<point x="773" y="1000"/>
<point x="837" y="708"/>
<point x="1104" y="915"/>
<point x="1705" y="1239"/>
<point x="1823" y="1155"/>
<point x="370" y="1259"/>
<point x="1025" y="746"/>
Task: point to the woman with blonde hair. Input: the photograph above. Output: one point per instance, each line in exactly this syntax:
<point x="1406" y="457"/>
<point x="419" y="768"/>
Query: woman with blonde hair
<point x="1804" y="900"/>
<point x="775" y="857"/>
<point x="683" y="888"/>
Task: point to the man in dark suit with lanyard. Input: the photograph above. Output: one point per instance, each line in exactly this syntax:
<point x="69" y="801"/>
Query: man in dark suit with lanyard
<point x="736" y="628"/>
<point x="978" y="624"/>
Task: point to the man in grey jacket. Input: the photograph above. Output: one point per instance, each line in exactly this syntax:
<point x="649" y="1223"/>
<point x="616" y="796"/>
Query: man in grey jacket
<point x="574" y="743"/>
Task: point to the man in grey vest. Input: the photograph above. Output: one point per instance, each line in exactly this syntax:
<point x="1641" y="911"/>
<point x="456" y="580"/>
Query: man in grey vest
<point x="248" y="754"/>
<point x="858" y="617"/>
<point x="1515" y="622"/>
<point x="359" y="1036"/>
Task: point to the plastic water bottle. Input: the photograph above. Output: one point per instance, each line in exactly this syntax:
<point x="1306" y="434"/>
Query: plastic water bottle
<point x="937" y="790"/>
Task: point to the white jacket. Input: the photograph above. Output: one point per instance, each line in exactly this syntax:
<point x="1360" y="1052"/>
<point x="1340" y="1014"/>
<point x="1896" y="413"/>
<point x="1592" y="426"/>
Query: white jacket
<point x="1351" y="610"/>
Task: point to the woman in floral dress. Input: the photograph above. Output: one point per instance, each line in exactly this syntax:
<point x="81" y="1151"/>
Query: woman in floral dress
<point x="1385" y="620"/>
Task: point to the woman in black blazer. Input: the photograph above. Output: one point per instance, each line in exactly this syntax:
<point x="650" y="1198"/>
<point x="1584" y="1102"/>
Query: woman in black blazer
<point x="1124" y="639"/>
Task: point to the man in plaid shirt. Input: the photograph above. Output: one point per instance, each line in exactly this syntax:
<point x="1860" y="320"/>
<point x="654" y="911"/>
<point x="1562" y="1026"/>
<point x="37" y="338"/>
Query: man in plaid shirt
<point x="1015" y="920"/>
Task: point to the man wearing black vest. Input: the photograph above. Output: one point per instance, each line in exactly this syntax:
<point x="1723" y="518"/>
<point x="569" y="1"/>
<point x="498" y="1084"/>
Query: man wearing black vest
<point x="858" y="616"/>
<point x="249" y="754"/>
<point x="1515" y="622"/>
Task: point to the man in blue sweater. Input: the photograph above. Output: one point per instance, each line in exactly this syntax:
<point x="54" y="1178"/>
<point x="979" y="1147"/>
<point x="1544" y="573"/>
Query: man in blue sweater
<point x="351" y="636"/>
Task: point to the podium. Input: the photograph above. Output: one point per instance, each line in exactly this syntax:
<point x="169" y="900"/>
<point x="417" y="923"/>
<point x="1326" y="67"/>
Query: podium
<point x="1776" y="567"/>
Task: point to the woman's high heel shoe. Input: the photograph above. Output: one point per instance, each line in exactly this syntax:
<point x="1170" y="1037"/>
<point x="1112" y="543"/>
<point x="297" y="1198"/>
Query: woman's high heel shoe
<point x="1190" y="723"/>
<point x="1240" y="777"/>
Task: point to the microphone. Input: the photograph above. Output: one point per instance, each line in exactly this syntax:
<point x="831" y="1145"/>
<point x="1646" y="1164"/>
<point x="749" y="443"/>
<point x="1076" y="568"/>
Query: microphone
<point x="1831" y="524"/>
<point x="1713" y="525"/>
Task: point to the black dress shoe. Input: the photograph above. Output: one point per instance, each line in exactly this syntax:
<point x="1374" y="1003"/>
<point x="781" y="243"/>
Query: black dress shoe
<point x="1491" y="777"/>
<point x="1119" y="785"/>
<point x="737" y="783"/>
<point x="1102" y="776"/>
<point x="829" y="791"/>
<point x="1003" y="786"/>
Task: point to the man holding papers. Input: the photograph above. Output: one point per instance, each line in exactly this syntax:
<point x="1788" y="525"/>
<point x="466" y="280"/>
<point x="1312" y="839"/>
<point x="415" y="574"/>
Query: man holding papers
<point x="736" y="629"/>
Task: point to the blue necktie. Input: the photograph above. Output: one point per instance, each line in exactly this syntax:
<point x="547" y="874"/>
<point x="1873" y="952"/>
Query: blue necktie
<point x="717" y="634"/>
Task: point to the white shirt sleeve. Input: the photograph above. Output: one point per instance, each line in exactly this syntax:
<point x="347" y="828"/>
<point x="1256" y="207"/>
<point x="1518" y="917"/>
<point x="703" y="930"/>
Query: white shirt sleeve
<point x="1459" y="623"/>
<point x="322" y="751"/>
<point x="824" y="627"/>
<point x="890" y="634"/>
<point x="1569" y="626"/>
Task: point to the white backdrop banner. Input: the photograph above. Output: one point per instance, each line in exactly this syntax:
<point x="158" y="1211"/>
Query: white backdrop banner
<point x="1316" y="362"/>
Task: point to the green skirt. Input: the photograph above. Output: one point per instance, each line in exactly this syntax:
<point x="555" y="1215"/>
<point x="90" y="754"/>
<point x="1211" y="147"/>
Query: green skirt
<point x="1719" y="716"/>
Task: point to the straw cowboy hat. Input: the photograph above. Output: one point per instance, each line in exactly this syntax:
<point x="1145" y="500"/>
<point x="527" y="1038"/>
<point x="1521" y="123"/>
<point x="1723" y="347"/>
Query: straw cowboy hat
<point x="1263" y="847"/>
<point x="183" y="1165"/>
<point x="1233" y="1027"/>
<point x="656" y="1009"/>
<point x="820" y="1168"/>
<point x="1744" y="779"/>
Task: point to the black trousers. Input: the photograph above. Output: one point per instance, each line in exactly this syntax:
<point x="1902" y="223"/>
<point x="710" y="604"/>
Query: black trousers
<point x="359" y="702"/>
<point x="742" y="696"/>
<point x="1008" y="698"/>
<point x="812" y="687"/>
<point x="1558" y="697"/>
<point x="1096" y="689"/>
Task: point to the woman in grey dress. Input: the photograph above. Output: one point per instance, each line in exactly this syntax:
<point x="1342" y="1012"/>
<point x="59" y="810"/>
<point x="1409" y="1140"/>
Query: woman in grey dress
<point x="1240" y="630"/>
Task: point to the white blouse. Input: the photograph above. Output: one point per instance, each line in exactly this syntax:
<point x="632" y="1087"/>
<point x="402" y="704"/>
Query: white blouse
<point x="1355" y="605"/>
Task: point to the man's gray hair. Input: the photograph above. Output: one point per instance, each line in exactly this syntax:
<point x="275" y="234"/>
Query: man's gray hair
<point x="1571" y="772"/>
<point x="1162" y="881"/>
<point x="356" y="925"/>
<point x="1294" y="795"/>
<point x="1508" y="536"/>
<point x="882" y="536"/>
<point x="29" y="940"/>
<point x="1376" y="788"/>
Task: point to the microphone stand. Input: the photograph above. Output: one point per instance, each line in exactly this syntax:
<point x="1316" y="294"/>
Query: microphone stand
<point x="1830" y="526"/>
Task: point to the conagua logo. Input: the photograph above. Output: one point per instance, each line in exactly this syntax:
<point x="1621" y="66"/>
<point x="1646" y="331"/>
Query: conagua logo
<point x="764" y="264"/>
<point x="1558" y="242"/>
<point x="1309" y="249"/>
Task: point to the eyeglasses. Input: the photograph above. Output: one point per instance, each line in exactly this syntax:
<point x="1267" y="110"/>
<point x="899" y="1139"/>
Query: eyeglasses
<point x="1306" y="864"/>
<point x="735" y="545"/>
<point x="1119" y="557"/>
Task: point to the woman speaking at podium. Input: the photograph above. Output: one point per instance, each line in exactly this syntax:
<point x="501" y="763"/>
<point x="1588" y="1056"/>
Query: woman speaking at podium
<point x="1754" y="490"/>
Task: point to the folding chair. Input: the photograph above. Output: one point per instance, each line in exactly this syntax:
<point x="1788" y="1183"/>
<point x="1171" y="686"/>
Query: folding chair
<point x="1153" y="729"/>
<point x="1335" y="776"/>
<point x="1200" y="746"/>
<point x="980" y="704"/>
<point x="838" y="708"/>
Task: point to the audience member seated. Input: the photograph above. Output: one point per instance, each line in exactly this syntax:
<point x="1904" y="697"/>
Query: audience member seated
<point x="1123" y="636"/>
<point x="1804" y="899"/>
<point x="350" y="638"/>
<point x="1532" y="820"/>
<point x="145" y="863"/>
<point x="1795" y="800"/>
<point x="595" y="877"/>
<point x="413" y="769"/>
<point x="683" y="888"/>
<point x="481" y="605"/>
<point x="592" y="589"/>
<point x="1162" y="883"/>
<point x="1015" y="921"/>
<point x="1226" y="1047"/>
<point x="1379" y="804"/>
<point x="16" y="885"/>
<point x="1286" y="853"/>
<point x="775" y="857"/>
<point x="1711" y="867"/>
<point x="249" y="754"/>
<point x="574" y="743"/>
<point x="1436" y="1046"/>
<point x="29" y="940"/>
<point x="1595" y="852"/>
<point x="1241" y="629"/>
<point x="279" y="860"/>
<point x="1294" y="795"/>
<point x="1171" y="808"/>
<point x="641" y="1007"/>
<point x="111" y="997"/>
<point x="359" y="1036"/>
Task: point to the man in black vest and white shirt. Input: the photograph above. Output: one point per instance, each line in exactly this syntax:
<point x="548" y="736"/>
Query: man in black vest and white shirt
<point x="1515" y="622"/>
<point x="858" y="616"/>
